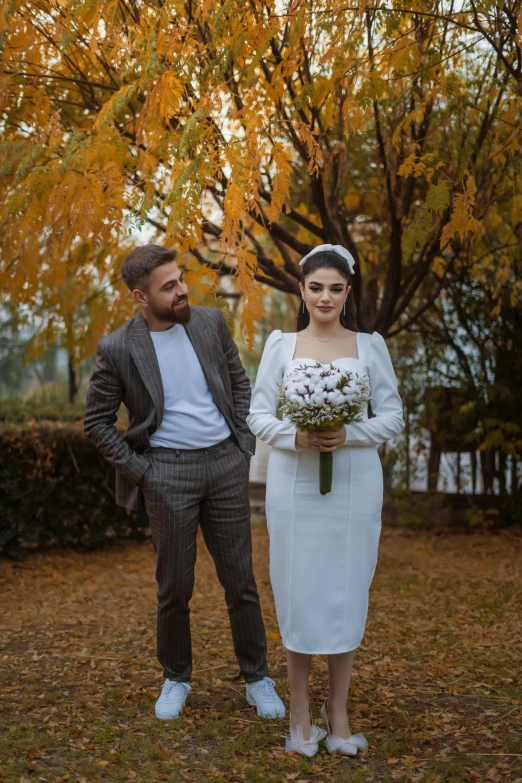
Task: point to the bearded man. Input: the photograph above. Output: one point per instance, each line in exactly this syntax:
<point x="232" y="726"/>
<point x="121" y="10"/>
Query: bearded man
<point x="186" y="455"/>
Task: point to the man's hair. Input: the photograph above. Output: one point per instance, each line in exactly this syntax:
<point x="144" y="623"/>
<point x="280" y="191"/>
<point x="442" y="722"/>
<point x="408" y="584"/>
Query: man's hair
<point x="139" y="264"/>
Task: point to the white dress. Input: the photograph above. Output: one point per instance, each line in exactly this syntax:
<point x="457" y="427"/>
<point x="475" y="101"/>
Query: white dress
<point x="323" y="548"/>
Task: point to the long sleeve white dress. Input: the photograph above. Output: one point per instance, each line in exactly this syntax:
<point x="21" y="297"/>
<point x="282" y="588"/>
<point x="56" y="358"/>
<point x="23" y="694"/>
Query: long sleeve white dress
<point x="323" y="548"/>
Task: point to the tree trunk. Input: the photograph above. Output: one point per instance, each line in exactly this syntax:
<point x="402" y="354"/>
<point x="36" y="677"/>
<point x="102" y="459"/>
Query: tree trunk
<point x="473" y="472"/>
<point x="386" y="472"/>
<point x="502" y="473"/>
<point x="433" y="465"/>
<point x="407" y="434"/>
<point x="487" y="459"/>
<point x="73" y="382"/>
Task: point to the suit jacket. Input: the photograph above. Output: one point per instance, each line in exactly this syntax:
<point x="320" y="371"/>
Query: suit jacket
<point x="126" y="370"/>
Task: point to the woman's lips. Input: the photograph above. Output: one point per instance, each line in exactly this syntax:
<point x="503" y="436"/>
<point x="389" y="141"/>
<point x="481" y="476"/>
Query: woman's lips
<point x="325" y="309"/>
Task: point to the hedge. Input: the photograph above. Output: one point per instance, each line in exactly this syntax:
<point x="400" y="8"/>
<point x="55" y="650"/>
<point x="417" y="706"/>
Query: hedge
<point x="42" y="408"/>
<point x="55" y="488"/>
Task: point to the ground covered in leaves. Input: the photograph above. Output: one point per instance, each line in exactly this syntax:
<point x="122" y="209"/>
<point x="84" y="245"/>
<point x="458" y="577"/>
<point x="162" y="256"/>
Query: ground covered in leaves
<point x="436" y="686"/>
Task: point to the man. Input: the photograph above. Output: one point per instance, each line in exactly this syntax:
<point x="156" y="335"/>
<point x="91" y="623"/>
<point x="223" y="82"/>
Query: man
<point x="186" y="453"/>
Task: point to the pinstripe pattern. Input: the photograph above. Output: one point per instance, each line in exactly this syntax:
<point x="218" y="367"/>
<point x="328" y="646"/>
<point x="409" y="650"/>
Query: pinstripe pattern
<point x="182" y="489"/>
<point x="209" y="486"/>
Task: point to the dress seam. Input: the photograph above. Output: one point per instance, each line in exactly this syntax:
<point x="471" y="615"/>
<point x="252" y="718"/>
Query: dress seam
<point x="345" y="621"/>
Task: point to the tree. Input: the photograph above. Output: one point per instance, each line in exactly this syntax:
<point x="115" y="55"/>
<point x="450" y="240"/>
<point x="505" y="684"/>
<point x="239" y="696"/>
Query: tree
<point x="248" y="132"/>
<point x="477" y="349"/>
<point x="466" y="350"/>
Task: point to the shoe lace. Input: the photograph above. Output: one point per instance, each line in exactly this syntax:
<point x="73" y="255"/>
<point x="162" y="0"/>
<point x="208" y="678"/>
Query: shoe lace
<point x="266" y="690"/>
<point x="173" y="689"/>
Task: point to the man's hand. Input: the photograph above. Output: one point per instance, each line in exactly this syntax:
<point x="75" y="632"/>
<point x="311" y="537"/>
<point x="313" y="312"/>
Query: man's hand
<point x="321" y="441"/>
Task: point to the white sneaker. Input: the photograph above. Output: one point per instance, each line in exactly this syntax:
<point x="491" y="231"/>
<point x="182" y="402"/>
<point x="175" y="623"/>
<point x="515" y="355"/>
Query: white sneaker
<point x="173" y="696"/>
<point x="261" y="694"/>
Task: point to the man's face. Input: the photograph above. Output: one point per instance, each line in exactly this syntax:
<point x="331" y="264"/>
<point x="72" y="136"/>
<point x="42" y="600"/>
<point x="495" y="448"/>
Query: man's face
<point x="166" y="295"/>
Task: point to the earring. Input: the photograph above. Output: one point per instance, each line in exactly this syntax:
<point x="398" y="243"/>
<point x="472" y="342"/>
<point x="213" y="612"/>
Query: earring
<point x="344" y="307"/>
<point x="303" y="305"/>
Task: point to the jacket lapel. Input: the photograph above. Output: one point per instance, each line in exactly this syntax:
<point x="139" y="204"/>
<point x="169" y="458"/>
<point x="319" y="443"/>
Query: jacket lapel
<point x="142" y="351"/>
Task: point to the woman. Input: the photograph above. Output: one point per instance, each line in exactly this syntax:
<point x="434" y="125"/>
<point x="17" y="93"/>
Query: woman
<point x="323" y="548"/>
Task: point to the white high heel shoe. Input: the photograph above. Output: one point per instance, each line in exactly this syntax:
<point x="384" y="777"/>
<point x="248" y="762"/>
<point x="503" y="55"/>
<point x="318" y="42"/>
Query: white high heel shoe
<point x="347" y="747"/>
<point x="296" y="742"/>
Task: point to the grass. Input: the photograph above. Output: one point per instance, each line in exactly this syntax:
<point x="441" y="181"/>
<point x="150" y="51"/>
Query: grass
<point x="436" y="685"/>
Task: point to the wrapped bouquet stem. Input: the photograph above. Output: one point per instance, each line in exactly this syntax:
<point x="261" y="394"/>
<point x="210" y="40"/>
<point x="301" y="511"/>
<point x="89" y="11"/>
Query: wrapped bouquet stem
<point x="322" y="398"/>
<point x="325" y="472"/>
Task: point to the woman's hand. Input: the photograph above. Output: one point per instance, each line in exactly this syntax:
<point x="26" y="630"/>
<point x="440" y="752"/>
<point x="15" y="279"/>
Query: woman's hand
<point x="321" y="441"/>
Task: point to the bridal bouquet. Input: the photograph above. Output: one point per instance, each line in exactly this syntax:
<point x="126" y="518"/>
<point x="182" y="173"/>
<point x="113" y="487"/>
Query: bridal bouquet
<point x="321" y="398"/>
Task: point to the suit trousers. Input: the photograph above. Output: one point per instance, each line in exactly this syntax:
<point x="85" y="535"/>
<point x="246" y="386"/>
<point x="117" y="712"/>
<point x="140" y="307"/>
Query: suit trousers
<point x="207" y="487"/>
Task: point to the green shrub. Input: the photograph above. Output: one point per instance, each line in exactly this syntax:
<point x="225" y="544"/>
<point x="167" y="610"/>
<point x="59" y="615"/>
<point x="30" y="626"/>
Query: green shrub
<point x="55" y="488"/>
<point x="438" y="510"/>
<point x="39" y="409"/>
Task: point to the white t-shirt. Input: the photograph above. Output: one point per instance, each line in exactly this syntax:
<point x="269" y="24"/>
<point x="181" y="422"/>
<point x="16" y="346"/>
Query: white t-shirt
<point x="191" y="418"/>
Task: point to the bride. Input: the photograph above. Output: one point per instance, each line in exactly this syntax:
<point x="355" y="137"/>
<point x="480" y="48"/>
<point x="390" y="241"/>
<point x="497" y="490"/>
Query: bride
<point x="323" y="548"/>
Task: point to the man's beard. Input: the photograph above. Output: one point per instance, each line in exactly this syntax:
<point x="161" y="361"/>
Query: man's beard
<point x="174" y="315"/>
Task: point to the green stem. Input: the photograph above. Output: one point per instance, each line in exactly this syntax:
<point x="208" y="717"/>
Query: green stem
<point x="325" y="472"/>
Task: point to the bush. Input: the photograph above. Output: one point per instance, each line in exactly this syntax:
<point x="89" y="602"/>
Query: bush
<point x="446" y="511"/>
<point x="55" y="488"/>
<point x="39" y="408"/>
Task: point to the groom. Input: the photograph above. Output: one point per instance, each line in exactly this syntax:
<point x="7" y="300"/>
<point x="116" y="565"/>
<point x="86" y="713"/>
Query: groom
<point x="186" y="454"/>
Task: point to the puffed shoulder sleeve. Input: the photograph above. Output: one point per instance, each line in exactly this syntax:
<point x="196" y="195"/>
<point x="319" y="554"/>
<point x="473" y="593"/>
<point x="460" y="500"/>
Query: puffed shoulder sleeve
<point x="262" y="419"/>
<point x="386" y="402"/>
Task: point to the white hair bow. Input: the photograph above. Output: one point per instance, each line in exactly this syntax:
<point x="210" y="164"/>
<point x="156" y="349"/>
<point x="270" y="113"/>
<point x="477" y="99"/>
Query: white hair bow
<point x="339" y="249"/>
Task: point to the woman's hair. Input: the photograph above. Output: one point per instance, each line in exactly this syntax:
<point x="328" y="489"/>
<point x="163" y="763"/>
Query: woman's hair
<point x="329" y="260"/>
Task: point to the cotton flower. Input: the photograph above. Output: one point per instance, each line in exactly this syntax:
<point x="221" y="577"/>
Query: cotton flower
<point x="350" y="394"/>
<point x="320" y="395"/>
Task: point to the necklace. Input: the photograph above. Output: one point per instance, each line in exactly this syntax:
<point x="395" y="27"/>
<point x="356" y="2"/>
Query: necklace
<point x="325" y="341"/>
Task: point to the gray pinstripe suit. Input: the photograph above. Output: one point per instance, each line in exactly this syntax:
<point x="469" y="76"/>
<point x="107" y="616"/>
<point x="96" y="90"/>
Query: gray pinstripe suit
<point x="182" y="489"/>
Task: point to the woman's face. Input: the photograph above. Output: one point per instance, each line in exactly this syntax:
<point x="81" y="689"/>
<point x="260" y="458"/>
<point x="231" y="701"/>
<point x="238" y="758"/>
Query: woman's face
<point x="324" y="292"/>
